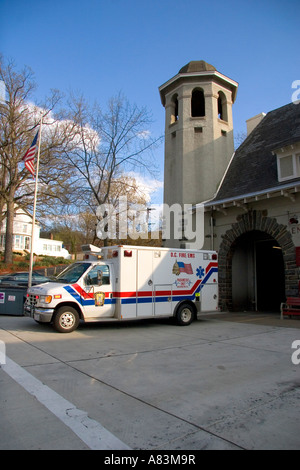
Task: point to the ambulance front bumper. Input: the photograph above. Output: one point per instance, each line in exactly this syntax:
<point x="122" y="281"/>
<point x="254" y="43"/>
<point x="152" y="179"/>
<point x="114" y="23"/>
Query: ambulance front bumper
<point x="43" y="315"/>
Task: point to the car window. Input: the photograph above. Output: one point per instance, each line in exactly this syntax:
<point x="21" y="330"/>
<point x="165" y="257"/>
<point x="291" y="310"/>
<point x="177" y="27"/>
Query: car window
<point x="72" y="273"/>
<point x="93" y="276"/>
<point x="20" y="277"/>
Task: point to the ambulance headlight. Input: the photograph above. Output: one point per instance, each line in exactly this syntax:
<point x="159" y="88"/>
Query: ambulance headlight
<point x="45" y="299"/>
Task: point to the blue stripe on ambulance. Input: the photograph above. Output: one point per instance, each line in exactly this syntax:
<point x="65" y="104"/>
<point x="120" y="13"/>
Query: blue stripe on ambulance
<point x="85" y="302"/>
<point x="177" y="298"/>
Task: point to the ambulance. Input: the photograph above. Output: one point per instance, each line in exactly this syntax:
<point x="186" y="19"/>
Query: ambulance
<point x="120" y="283"/>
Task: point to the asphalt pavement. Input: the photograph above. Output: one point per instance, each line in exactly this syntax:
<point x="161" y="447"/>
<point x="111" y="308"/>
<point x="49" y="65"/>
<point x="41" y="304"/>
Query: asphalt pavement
<point x="229" y="381"/>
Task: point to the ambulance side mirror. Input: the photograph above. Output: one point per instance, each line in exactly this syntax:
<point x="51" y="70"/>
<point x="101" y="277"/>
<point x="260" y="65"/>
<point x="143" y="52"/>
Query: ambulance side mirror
<point x="99" y="278"/>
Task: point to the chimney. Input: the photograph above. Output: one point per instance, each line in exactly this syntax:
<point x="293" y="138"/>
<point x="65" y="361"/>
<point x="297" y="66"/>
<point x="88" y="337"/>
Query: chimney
<point x="253" y="122"/>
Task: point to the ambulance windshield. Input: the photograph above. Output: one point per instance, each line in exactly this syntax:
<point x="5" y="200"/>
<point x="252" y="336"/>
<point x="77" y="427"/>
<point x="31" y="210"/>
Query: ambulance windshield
<point x="72" y="273"/>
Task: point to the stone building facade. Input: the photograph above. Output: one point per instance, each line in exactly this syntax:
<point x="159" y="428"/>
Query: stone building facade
<point x="252" y="203"/>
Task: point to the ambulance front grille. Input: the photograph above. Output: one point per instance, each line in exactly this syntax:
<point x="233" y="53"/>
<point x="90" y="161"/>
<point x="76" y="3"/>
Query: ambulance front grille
<point x="32" y="299"/>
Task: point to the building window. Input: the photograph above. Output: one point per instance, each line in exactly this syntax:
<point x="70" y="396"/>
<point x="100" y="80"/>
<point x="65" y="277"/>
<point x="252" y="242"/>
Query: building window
<point x="18" y="241"/>
<point x="288" y="166"/>
<point x="198" y="103"/>
<point x="27" y="243"/>
<point x="222" y="107"/>
<point x="174" y="109"/>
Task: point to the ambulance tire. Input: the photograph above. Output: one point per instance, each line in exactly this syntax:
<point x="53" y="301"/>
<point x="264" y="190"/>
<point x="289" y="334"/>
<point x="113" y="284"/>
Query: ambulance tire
<point x="185" y="315"/>
<point x="66" y="319"/>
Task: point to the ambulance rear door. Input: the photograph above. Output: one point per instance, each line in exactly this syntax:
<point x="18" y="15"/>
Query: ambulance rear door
<point x="209" y="283"/>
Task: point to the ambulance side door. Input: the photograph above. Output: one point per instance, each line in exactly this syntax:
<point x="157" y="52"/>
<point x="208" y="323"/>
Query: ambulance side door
<point x="99" y="301"/>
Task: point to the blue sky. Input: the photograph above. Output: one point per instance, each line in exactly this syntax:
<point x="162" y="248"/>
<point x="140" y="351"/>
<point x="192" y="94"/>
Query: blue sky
<point x="101" y="47"/>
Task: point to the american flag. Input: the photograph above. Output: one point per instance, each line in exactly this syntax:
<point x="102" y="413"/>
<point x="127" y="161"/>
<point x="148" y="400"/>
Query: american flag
<point x="29" y="155"/>
<point x="185" y="268"/>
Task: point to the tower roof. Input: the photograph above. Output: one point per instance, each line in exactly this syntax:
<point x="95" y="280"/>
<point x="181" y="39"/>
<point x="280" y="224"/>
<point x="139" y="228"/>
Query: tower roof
<point x="197" y="70"/>
<point x="197" y="66"/>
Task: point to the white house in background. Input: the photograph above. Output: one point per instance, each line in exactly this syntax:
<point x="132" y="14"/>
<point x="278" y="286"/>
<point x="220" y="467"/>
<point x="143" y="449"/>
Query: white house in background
<point x="22" y="237"/>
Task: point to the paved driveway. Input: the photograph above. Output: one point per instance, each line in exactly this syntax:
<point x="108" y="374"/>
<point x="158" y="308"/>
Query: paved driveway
<point x="225" y="382"/>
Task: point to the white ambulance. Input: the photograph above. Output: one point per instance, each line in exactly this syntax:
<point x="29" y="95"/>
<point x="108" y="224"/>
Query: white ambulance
<point x="127" y="282"/>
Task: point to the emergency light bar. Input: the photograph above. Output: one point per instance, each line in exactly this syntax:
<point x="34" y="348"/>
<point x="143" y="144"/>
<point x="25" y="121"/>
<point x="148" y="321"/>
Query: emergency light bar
<point x="91" y="248"/>
<point x="91" y="252"/>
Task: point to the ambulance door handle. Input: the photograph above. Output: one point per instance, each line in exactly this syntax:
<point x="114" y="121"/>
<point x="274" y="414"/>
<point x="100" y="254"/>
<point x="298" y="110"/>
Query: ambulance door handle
<point x="150" y="282"/>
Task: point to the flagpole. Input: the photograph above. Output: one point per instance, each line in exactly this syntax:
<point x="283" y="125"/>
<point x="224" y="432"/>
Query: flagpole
<point x="34" y="207"/>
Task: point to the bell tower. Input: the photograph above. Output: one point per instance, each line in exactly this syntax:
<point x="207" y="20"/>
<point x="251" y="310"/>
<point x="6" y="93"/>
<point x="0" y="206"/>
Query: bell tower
<point x="198" y="132"/>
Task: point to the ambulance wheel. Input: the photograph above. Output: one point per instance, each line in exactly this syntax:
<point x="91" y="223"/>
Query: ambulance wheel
<point x="66" y="319"/>
<point x="185" y="315"/>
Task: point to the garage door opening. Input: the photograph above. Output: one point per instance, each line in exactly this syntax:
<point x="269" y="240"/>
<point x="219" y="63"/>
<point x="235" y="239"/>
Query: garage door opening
<point x="257" y="273"/>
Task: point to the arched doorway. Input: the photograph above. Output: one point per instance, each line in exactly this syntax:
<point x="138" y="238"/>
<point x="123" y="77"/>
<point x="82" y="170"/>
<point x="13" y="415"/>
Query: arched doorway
<point x="274" y="263"/>
<point x="258" y="281"/>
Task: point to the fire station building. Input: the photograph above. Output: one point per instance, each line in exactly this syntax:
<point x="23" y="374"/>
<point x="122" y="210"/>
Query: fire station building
<point x="251" y="196"/>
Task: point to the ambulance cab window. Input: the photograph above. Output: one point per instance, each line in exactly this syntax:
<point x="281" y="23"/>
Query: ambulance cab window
<point x="96" y="273"/>
<point x="72" y="273"/>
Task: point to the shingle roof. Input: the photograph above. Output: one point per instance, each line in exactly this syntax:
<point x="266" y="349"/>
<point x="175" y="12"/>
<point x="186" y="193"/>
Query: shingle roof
<point x="197" y="66"/>
<point x="254" y="166"/>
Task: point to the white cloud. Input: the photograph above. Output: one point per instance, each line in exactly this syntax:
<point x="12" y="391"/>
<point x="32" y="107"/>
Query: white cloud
<point x="144" y="134"/>
<point x="147" y="186"/>
<point x="152" y="190"/>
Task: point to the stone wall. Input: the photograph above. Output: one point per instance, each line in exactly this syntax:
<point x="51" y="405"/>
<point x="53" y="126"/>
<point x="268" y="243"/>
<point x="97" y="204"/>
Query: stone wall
<point x="255" y="220"/>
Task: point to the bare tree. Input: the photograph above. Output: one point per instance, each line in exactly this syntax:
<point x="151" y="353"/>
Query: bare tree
<point x="78" y="225"/>
<point x="110" y="144"/>
<point x="19" y="120"/>
<point x="86" y="153"/>
<point x="239" y="138"/>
